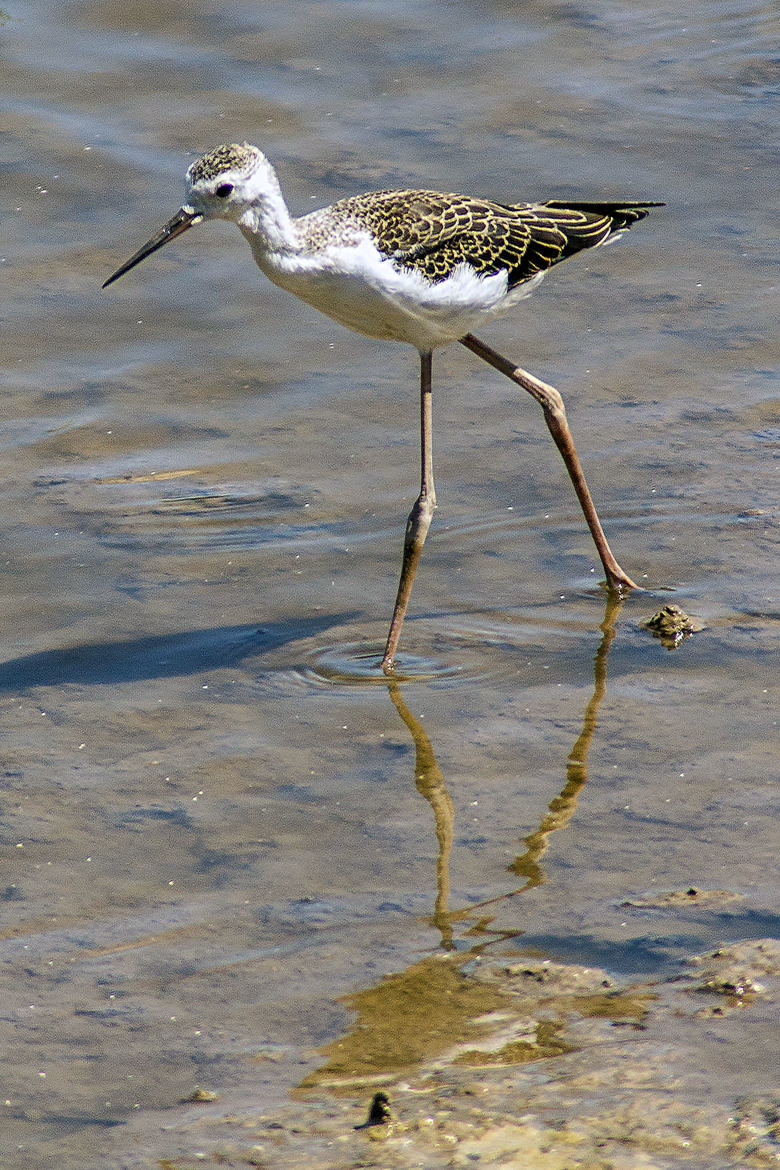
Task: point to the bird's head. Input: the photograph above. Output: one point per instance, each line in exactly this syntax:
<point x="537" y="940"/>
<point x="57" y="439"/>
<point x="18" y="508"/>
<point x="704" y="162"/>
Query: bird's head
<point x="226" y="183"/>
<point x="227" y="180"/>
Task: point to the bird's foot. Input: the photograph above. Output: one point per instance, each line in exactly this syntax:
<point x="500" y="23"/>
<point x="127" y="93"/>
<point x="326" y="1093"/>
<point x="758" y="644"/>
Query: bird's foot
<point x="620" y="583"/>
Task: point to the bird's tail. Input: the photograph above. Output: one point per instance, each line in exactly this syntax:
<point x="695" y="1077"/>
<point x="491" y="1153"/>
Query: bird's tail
<point x="622" y="215"/>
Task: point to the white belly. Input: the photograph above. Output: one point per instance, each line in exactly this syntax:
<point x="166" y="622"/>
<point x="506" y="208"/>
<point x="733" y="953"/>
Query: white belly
<point x="358" y="288"/>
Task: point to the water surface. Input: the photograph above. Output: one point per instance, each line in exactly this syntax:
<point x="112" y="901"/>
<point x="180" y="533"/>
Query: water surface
<point x="216" y="819"/>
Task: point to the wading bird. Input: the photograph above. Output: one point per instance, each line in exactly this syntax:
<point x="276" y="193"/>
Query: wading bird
<point x="412" y="266"/>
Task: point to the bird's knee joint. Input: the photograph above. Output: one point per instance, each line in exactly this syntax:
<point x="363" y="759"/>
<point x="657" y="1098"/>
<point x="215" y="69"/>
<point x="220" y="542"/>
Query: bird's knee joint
<point x="554" y="404"/>
<point x="422" y="512"/>
<point x="419" y="522"/>
<point x="428" y="506"/>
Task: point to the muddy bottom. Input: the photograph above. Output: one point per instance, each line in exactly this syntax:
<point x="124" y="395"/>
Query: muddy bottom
<point x="523" y="1062"/>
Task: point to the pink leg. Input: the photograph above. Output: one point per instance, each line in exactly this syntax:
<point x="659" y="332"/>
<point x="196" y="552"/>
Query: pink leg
<point x="555" y="416"/>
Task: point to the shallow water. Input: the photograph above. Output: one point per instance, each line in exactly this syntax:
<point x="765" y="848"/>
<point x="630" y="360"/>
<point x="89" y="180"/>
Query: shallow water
<point x="216" y="818"/>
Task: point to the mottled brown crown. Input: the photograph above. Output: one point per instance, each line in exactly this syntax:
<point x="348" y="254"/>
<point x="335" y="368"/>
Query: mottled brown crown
<point x="233" y="157"/>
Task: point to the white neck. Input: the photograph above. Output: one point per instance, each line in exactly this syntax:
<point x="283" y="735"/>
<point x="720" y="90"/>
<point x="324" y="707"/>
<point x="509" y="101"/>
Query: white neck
<point x="265" y="221"/>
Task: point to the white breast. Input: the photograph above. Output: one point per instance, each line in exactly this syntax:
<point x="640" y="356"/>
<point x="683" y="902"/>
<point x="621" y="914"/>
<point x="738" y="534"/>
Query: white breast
<point x="359" y="288"/>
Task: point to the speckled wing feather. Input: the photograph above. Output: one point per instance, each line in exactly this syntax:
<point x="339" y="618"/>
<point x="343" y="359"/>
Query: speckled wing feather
<point x="433" y="233"/>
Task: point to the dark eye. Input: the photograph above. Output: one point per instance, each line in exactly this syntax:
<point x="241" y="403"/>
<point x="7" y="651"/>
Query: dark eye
<point x="223" y="190"/>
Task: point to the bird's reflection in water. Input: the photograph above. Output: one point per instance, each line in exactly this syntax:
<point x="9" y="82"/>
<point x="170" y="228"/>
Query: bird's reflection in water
<point x="431" y="784"/>
<point x="428" y="1009"/>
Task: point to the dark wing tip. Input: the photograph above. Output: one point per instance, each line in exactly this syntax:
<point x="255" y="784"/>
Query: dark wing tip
<point x="618" y="215"/>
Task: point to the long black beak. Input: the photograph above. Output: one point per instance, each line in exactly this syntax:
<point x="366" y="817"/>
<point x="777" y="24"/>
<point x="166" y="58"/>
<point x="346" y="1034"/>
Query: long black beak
<point x="183" y="219"/>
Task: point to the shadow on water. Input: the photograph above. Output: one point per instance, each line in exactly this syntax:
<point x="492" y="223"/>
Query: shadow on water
<point x="166" y="656"/>
<point x="432" y="785"/>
